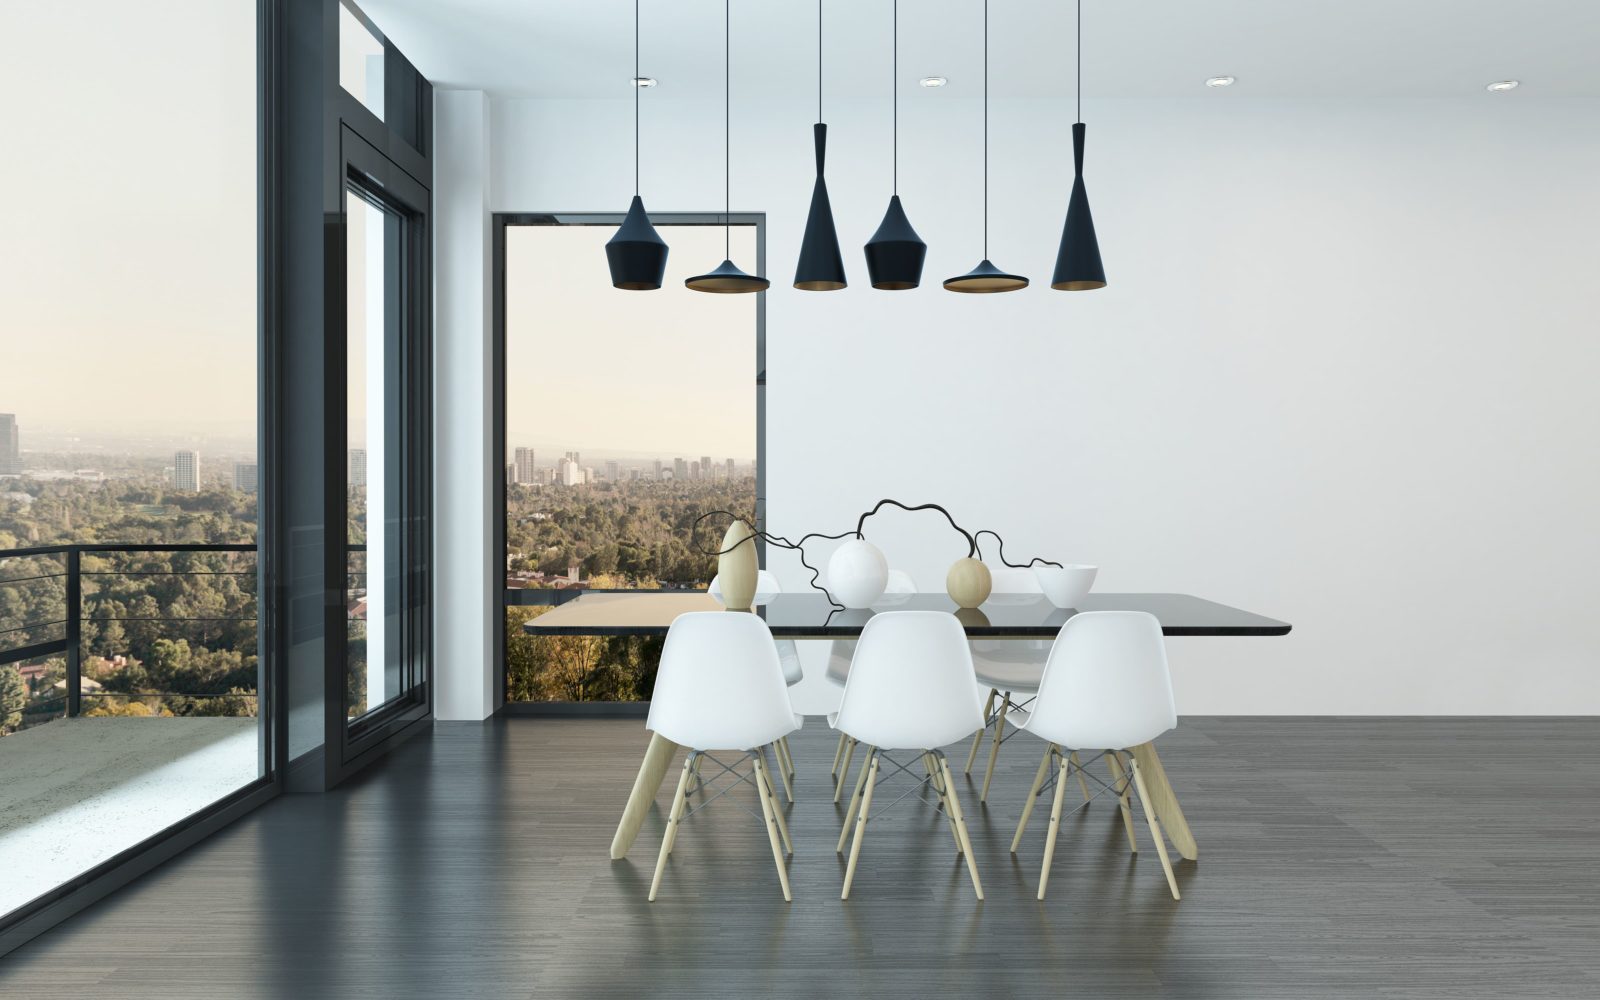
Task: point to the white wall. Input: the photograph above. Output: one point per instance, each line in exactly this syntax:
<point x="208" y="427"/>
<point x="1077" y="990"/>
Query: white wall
<point x="1343" y="374"/>
<point x="463" y="559"/>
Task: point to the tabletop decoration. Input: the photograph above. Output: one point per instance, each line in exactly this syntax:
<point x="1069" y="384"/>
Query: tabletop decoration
<point x="858" y="572"/>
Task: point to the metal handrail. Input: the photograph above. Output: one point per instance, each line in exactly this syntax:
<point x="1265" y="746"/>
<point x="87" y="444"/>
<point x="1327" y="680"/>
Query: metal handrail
<point x="72" y="573"/>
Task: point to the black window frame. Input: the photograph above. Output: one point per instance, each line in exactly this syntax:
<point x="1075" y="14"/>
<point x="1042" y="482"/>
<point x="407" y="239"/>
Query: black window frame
<point x="505" y="597"/>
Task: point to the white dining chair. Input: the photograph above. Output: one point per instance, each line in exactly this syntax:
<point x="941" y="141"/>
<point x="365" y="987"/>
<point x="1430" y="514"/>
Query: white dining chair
<point x="1106" y="688"/>
<point x="768" y="587"/>
<point x="1009" y="668"/>
<point x="720" y="686"/>
<point x="840" y="651"/>
<point x="910" y="689"/>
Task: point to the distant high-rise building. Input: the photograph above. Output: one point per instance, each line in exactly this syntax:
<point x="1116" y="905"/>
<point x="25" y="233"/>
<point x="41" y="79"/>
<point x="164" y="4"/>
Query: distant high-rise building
<point x="633" y="475"/>
<point x="694" y="470"/>
<point x="730" y="470"/>
<point x="658" y="468"/>
<point x="523" y="466"/>
<point x="705" y="466"/>
<point x="10" y="446"/>
<point x="571" y="472"/>
<point x="511" y="472"/>
<point x="614" y="471"/>
<point x="244" y="476"/>
<point x="358" y="467"/>
<point x="680" y="469"/>
<point x="186" y="471"/>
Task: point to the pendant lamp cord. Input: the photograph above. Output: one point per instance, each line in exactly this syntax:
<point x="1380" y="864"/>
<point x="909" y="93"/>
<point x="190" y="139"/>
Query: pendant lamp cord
<point x="636" y="89"/>
<point x="727" y="129"/>
<point x="896" y="141"/>
<point x="986" y="129"/>
<point x="1080" y="62"/>
<point x="819" y="62"/>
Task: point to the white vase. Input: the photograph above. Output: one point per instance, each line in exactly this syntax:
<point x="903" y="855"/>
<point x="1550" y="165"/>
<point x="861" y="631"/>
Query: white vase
<point x="1065" y="586"/>
<point x="857" y="573"/>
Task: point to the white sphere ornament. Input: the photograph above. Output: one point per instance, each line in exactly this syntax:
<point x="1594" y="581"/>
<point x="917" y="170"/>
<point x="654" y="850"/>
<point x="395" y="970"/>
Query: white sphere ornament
<point x="857" y="573"/>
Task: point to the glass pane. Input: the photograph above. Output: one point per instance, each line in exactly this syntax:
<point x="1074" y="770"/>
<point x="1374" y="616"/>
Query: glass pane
<point x="627" y="416"/>
<point x="360" y="61"/>
<point x="128" y="382"/>
<point x="373" y="461"/>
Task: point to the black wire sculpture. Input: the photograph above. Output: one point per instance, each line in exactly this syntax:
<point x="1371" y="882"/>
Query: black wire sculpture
<point x="798" y="545"/>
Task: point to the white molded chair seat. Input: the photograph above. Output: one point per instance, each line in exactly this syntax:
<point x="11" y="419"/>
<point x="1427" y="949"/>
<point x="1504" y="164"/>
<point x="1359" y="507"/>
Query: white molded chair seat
<point x="767" y="587"/>
<point x="840" y="651"/>
<point x="1106" y="687"/>
<point x="909" y="688"/>
<point x="720" y="686"/>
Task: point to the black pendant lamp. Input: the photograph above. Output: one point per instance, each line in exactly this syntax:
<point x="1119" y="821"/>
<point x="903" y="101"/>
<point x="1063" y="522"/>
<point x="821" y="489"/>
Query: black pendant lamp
<point x="821" y="268"/>
<point x="636" y="253"/>
<point x="727" y="278"/>
<point x="1078" y="267"/>
<point x="895" y="252"/>
<point x="985" y="277"/>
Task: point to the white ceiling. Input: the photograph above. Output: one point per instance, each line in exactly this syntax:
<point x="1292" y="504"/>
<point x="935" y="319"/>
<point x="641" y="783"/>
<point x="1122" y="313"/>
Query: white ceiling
<point x="1132" y="48"/>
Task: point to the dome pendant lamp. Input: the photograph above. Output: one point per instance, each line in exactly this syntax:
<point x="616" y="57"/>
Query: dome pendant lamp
<point x="985" y="277"/>
<point x="636" y="253"/>
<point x="1078" y="267"/>
<point x="727" y="279"/>
<point x="895" y="252"/>
<point x="821" y="268"/>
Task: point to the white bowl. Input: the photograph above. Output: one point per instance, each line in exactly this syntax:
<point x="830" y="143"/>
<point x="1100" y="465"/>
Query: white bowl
<point x="1065" y="586"/>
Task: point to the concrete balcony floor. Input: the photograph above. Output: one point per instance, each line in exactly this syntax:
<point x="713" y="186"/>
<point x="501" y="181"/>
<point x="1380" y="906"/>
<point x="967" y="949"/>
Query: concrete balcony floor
<point x="76" y="792"/>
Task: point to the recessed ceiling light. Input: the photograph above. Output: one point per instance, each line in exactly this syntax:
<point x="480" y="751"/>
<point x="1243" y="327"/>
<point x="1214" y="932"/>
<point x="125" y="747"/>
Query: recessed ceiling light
<point x="1501" y="85"/>
<point x="644" y="81"/>
<point x="933" y="81"/>
<point x="1220" y="81"/>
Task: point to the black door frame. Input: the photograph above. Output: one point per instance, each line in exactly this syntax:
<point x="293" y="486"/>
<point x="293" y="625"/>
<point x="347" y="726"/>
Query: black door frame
<point x="504" y="598"/>
<point x="354" y="743"/>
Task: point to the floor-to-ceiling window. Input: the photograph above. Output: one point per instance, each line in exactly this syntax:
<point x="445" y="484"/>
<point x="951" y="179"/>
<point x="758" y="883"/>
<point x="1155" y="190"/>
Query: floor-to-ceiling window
<point x="627" y="415"/>
<point x="131" y="692"/>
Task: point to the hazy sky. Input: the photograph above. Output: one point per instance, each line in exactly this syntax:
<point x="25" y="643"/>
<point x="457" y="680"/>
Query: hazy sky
<point x="127" y="257"/>
<point x="663" y="372"/>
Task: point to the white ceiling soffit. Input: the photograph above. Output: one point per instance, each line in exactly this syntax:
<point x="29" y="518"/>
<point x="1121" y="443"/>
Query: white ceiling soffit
<point x="1133" y="48"/>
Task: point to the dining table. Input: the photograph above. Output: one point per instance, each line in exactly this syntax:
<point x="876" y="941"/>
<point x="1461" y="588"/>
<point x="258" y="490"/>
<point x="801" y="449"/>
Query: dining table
<point x="811" y="615"/>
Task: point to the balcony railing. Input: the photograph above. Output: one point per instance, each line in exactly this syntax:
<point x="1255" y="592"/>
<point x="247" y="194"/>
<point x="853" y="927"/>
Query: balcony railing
<point x="126" y="599"/>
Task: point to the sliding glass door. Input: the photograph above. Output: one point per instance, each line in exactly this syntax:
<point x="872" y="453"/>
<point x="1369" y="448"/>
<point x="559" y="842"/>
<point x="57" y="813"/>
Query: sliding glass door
<point x="382" y="680"/>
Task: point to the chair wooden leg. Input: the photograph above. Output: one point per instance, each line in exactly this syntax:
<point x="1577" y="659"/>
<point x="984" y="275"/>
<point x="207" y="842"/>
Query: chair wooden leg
<point x="673" y="819"/>
<point x="1055" y="822"/>
<point x="769" y="809"/>
<point x="1082" y="783"/>
<point x="838" y="755"/>
<point x="1120" y="780"/>
<point x="783" y="824"/>
<point x="994" y="751"/>
<point x="870" y="766"/>
<point x="930" y="763"/>
<point x="788" y="755"/>
<point x="844" y="772"/>
<point x="977" y="737"/>
<point x="961" y="826"/>
<point x="855" y="800"/>
<point x="1033" y="794"/>
<point x="1155" y="828"/>
<point x="783" y="773"/>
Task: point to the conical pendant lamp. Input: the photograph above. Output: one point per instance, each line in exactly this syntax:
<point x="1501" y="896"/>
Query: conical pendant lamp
<point x="821" y="268"/>
<point x="637" y="254"/>
<point x="1078" y="267"/>
<point x="727" y="278"/>
<point x="895" y="253"/>
<point x="985" y="277"/>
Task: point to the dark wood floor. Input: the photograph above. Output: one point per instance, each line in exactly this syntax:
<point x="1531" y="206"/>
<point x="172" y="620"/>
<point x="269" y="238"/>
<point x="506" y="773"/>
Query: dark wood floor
<point x="1339" y="858"/>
